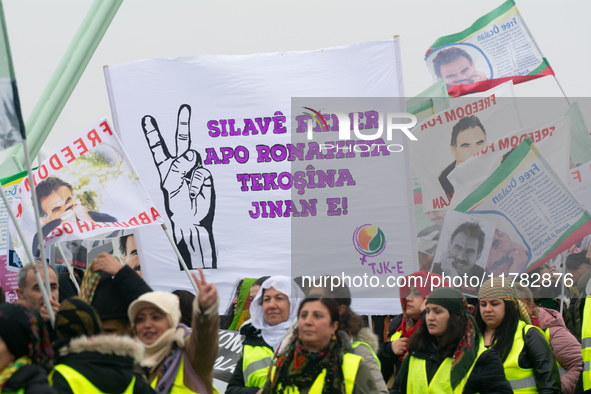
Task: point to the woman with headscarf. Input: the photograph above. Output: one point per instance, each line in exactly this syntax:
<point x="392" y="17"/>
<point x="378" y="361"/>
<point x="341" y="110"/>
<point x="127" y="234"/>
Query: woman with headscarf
<point x="26" y="355"/>
<point x="316" y="361"/>
<point x="272" y="312"/>
<point x="178" y="359"/>
<point x="444" y="352"/>
<point x="505" y="323"/>
<point x="85" y="356"/>
<point x="417" y="287"/>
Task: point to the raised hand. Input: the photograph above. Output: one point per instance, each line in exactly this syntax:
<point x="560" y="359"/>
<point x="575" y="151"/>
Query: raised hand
<point x="208" y="293"/>
<point x="188" y="191"/>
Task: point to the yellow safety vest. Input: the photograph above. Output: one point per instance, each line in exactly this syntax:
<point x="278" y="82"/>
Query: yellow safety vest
<point x="350" y="366"/>
<point x="178" y="386"/>
<point x="20" y="391"/>
<point x="586" y="343"/>
<point x="522" y="380"/>
<point x="440" y="384"/>
<point x="396" y="335"/>
<point x="79" y="384"/>
<point x="256" y="361"/>
<point x="375" y="356"/>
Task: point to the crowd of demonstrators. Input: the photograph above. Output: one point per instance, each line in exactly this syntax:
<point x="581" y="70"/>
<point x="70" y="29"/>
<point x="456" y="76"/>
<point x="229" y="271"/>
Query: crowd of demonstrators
<point x="272" y="312"/>
<point x="295" y="339"/>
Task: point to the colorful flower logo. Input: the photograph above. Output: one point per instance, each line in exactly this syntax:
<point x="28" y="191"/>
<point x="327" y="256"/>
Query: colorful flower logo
<point x="369" y="240"/>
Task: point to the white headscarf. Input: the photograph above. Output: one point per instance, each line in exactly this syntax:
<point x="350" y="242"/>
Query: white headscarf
<point x="273" y="334"/>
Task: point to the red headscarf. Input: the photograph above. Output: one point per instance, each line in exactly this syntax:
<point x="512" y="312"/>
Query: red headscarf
<point x="425" y="282"/>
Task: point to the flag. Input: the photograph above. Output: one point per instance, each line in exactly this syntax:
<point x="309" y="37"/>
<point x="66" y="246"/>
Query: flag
<point x="498" y="47"/>
<point x="87" y="188"/>
<point x="537" y="215"/>
<point x="12" y="128"/>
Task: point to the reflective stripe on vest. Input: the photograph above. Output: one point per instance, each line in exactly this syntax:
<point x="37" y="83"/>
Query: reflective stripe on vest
<point x="256" y="361"/>
<point x="586" y="344"/>
<point x="522" y="379"/>
<point x="396" y="335"/>
<point x="350" y="366"/>
<point x="417" y="377"/>
<point x="375" y="356"/>
<point x="79" y="384"/>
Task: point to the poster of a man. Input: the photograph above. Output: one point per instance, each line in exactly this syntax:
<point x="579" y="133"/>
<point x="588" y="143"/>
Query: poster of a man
<point x="57" y="205"/>
<point x="468" y="136"/>
<point x="456" y="67"/>
<point x="464" y="248"/>
<point x="128" y="250"/>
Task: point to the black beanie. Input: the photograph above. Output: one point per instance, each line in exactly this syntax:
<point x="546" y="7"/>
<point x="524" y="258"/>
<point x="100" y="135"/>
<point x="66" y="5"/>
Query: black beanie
<point x="15" y="330"/>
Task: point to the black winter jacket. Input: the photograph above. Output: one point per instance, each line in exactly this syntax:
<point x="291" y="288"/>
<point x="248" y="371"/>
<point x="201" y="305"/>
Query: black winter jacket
<point x="33" y="378"/>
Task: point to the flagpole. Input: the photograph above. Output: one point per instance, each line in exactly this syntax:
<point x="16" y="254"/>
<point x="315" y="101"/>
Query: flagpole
<point x="562" y="282"/>
<point x="178" y="254"/>
<point x="68" y="266"/>
<point x="540" y="51"/>
<point x="44" y="292"/>
<point x="40" y="237"/>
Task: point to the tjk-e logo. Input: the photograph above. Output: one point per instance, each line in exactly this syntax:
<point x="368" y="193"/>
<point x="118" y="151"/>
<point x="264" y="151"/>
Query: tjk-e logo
<point x="345" y="123"/>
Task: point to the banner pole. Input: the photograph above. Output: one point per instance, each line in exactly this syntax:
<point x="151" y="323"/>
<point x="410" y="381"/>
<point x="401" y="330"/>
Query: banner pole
<point x="178" y="254"/>
<point x="44" y="292"/>
<point x="68" y="266"/>
<point x="562" y="283"/>
<point x="540" y="51"/>
<point x="40" y="237"/>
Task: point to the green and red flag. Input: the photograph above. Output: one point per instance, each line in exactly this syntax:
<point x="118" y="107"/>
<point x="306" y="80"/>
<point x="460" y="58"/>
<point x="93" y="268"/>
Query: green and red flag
<point x="537" y="215"/>
<point x="498" y="47"/>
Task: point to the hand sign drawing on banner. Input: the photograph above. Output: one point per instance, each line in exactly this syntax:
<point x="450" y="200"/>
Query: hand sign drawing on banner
<point x="187" y="187"/>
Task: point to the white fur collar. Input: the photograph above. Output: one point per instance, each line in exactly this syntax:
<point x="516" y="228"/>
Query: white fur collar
<point x="106" y="344"/>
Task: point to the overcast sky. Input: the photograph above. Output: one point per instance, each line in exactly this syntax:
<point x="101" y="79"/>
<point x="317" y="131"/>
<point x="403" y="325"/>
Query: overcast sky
<point x="41" y="30"/>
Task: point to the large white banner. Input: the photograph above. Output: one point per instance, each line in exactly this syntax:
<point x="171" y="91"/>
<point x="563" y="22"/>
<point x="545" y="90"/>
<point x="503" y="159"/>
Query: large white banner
<point x="211" y="138"/>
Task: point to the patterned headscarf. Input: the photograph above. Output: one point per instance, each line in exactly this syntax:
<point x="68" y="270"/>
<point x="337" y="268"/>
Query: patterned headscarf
<point x="502" y="289"/>
<point x="300" y="367"/>
<point x="89" y="284"/>
<point x="74" y="319"/>
<point x="424" y="281"/>
<point x="467" y="349"/>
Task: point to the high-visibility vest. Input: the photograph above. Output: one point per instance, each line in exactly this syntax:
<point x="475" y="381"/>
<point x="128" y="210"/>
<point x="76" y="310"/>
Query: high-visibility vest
<point x="396" y="335"/>
<point x="79" y="384"/>
<point x="441" y="383"/>
<point x="350" y="366"/>
<point x="375" y="356"/>
<point x="178" y="386"/>
<point x="256" y="361"/>
<point x="586" y="343"/>
<point x="522" y="380"/>
<point x="20" y="391"/>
